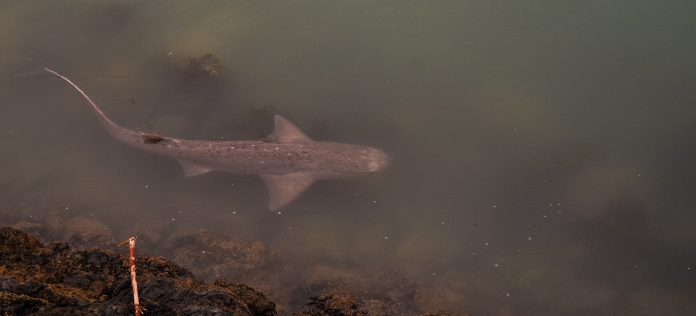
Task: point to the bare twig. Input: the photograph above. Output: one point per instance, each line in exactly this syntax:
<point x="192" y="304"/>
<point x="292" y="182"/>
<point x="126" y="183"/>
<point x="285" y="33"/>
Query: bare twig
<point x="134" y="283"/>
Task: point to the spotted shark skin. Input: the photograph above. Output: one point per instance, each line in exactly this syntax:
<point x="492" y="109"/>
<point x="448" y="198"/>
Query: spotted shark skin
<point x="288" y="161"/>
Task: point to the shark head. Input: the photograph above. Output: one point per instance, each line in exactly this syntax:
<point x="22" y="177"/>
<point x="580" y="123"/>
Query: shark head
<point x="354" y="160"/>
<point x="377" y="160"/>
<point x="339" y="160"/>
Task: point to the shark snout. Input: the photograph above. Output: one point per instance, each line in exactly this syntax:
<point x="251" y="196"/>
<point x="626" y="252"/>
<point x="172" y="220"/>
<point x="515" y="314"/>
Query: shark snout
<point x="378" y="160"/>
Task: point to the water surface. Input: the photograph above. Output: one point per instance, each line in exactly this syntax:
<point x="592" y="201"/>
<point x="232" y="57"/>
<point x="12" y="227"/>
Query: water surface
<point x="543" y="151"/>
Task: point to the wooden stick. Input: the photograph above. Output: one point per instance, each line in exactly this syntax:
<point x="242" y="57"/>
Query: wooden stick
<point x="134" y="283"/>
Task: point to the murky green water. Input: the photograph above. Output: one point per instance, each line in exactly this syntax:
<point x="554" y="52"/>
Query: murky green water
<point x="543" y="152"/>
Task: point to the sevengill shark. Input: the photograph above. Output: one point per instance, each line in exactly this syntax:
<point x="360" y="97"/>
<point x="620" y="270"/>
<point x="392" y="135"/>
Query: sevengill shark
<point x="287" y="160"/>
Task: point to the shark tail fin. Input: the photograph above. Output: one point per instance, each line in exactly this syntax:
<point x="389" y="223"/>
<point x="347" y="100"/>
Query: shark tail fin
<point x="110" y="125"/>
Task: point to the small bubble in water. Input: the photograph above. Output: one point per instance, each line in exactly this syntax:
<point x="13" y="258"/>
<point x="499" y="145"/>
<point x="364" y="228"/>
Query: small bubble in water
<point x="485" y="243"/>
<point x="386" y="237"/>
<point x="234" y="212"/>
<point x="507" y="294"/>
<point x="442" y="223"/>
<point x="529" y="238"/>
<point x="280" y="213"/>
<point x="173" y="219"/>
<point x="147" y="187"/>
<point x="496" y="265"/>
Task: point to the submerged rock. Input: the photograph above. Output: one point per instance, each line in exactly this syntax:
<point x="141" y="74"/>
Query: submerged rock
<point x="80" y="232"/>
<point x="205" y="66"/>
<point x="332" y="305"/>
<point x="345" y="305"/>
<point x="211" y="256"/>
<point x="57" y="279"/>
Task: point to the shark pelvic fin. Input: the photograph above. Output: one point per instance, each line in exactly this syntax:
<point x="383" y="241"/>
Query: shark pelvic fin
<point x="191" y="169"/>
<point x="286" y="132"/>
<point x="285" y="188"/>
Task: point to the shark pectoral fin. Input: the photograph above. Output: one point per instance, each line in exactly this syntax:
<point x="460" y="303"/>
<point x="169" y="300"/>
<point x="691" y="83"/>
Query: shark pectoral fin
<point x="286" y="132"/>
<point x="191" y="169"/>
<point x="285" y="188"/>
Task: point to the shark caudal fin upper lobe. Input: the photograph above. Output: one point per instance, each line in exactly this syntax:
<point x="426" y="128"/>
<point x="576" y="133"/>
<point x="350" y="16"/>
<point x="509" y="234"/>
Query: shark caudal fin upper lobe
<point x="110" y="126"/>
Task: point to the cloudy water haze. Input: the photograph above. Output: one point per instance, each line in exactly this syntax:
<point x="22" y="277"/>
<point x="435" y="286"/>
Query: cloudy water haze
<point x="542" y="152"/>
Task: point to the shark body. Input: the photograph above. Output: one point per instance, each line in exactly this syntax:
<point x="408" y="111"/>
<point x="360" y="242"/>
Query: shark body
<point x="288" y="161"/>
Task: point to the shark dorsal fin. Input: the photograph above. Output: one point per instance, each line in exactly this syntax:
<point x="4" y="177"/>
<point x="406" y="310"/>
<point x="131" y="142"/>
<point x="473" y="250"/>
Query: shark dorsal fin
<point x="285" y="188"/>
<point x="191" y="169"/>
<point x="286" y="132"/>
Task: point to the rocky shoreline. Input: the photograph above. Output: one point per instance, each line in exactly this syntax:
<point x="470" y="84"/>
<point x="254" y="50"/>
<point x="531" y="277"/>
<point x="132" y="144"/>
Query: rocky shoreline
<point x="56" y="279"/>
